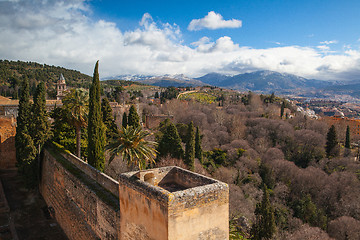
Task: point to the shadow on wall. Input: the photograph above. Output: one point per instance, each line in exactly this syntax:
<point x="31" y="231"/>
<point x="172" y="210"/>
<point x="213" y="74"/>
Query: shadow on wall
<point x="7" y="153"/>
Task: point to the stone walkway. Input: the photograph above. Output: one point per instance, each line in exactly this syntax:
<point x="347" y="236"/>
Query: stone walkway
<point x="23" y="213"/>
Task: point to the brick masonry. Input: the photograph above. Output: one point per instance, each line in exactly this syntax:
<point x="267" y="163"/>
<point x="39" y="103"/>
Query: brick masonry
<point x="7" y="143"/>
<point x="83" y="208"/>
<point x="143" y="205"/>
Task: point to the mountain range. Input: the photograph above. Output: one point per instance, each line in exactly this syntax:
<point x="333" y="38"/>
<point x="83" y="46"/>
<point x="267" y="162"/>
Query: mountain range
<point x="259" y="81"/>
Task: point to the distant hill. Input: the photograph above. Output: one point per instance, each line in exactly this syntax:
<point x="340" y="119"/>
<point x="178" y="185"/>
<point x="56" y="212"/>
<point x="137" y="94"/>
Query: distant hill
<point x="178" y="80"/>
<point x="175" y="81"/>
<point x="259" y="81"/>
<point x="117" y="83"/>
<point x="213" y="79"/>
<point x="12" y="73"/>
<point x="351" y="88"/>
<point x="36" y="72"/>
<point x="264" y="81"/>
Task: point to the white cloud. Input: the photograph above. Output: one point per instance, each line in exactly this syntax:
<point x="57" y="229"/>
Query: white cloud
<point x="213" y="21"/>
<point x="61" y="33"/>
<point x="329" y="42"/>
<point x="323" y="47"/>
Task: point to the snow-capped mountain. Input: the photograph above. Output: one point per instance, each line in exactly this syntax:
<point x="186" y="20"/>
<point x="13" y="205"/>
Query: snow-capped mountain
<point x="264" y="81"/>
<point x="260" y="81"/>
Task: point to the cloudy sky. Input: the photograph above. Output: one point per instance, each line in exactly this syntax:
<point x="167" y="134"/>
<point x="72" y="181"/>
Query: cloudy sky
<point x="311" y="38"/>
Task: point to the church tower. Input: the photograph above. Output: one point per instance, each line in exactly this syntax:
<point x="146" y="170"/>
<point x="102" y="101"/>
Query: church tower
<point x="60" y="88"/>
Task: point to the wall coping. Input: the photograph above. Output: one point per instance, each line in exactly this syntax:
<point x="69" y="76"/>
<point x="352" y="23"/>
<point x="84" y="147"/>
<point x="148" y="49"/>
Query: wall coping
<point x="104" y="180"/>
<point x="209" y="187"/>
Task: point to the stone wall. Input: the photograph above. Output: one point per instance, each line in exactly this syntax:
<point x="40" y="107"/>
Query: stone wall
<point x="174" y="204"/>
<point x="83" y="200"/>
<point x="7" y="143"/>
<point x="168" y="203"/>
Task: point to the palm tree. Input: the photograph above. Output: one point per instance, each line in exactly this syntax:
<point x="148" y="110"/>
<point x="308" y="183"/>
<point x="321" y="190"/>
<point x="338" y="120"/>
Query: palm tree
<point x="77" y="103"/>
<point x="132" y="147"/>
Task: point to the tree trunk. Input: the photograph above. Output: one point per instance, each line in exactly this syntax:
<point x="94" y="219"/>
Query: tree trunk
<point x="78" y="141"/>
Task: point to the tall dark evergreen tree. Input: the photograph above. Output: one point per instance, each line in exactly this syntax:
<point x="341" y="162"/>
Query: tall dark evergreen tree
<point x="124" y="120"/>
<point x="264" y="226"/>
<point x="107" y="113"/>
<point x="282" y="109"/>
<point x="40" y="126"/>
<point x="331" y="143"/>
<point x="25" y="150"/>
<point x="27" y="166"/>
<point x="156" y="95"/>
<point x="190" y="146"/>
<point x="133" y="118"/>
<point x="23" y="119"/>
<point x="347" y="139"/>
<point x="96" y="127"/>
<point x="272" y="98"/>
<point x="170" y="143"/>
<point x="198" y="148"/>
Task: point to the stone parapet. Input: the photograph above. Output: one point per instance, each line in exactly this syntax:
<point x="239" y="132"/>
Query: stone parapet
<point x="173" y="203"/>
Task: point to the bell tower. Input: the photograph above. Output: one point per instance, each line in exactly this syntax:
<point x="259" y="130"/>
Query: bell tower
<point x="60" y="88"/>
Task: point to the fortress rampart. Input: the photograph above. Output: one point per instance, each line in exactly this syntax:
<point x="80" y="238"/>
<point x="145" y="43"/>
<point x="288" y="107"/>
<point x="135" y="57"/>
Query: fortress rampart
<point x="162" y="203"/>
<point x="7" y="143"/>
<point x="79" y="197"/>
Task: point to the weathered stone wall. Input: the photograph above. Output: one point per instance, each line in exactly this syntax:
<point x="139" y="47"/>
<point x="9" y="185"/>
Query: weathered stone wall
<point x="7" y="143"/>
<point x="83" y="201"/>
<point x="197" y="210"/>
<point x="203" y="211"/>
<point x="142" y="216"/>
<point x="84" y="208"/>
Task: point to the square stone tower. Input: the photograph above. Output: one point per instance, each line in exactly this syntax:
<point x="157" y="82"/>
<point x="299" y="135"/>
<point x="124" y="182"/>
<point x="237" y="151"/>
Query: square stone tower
<point x="174" y="204"/>
<point x="60" y="88"/>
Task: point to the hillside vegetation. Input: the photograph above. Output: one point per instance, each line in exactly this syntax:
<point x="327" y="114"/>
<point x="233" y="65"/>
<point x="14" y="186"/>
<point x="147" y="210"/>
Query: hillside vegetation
<point x="13" y="72"/>
<point x="313" y="193"/>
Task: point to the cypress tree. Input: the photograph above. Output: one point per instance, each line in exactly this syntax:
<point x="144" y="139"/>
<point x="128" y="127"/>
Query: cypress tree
<point x="96" y="128"/>
<point x="170" y="143"/>
<point x="24" y="112"/>
<point x="133" y="118"/>
<point x="331" y="143"/>
<point x="272" y="98"/>
<point x="108" y="120"/>
<point x="40" y="126"/>
<point x="347" y="139"/>
<point x="23" y="123"/>
<point x="282" y="109"/>
<point x="27" y="166"/>
<point x="190" y="146"/>
<point x="198" y="148"/>
<point x="124" y="120"/>
<point x="264" y="226"/>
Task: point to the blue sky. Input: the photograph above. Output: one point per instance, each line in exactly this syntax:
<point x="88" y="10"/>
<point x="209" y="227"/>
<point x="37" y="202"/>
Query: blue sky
<point x="313" y="39"/>
<point x="265" y="23"/>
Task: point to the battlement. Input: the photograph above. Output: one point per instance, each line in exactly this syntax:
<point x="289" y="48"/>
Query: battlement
<point x="163" y="203"/>
<point x="173" y="203"/>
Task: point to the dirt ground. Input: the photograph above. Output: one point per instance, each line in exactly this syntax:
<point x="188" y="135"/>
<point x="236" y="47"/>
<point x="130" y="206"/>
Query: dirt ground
<point x="28" y="217"/>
